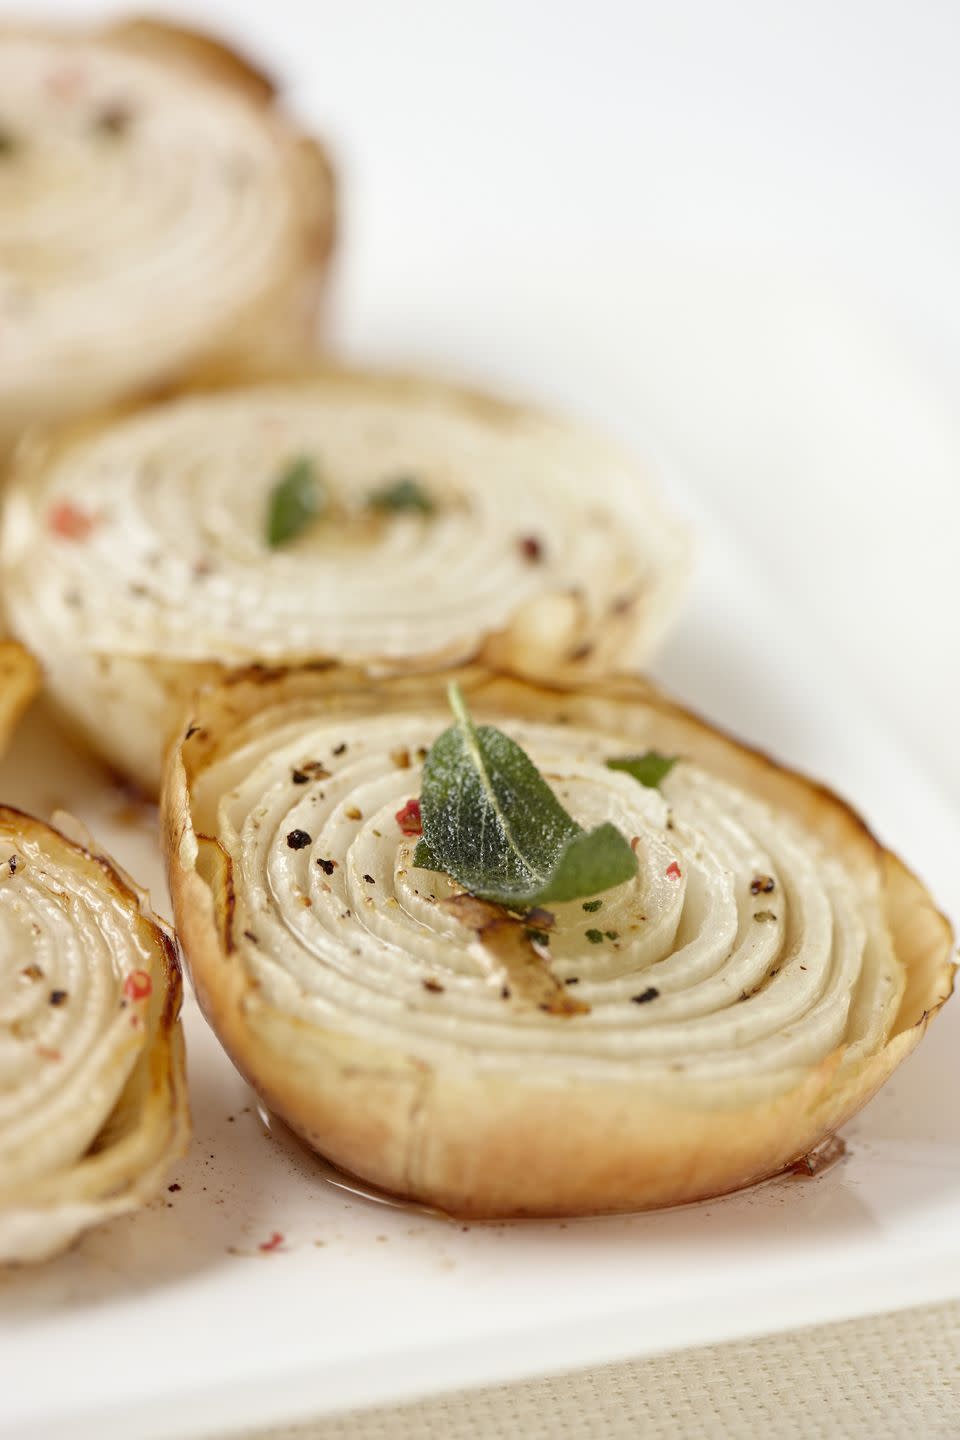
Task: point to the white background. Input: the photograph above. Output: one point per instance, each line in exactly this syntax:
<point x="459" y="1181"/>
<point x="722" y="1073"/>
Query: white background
<point x="730" y="232"/>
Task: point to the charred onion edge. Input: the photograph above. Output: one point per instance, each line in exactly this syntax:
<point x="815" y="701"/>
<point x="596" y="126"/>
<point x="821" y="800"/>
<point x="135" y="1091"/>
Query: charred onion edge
<point x="20" y="681"/>
<point x="504" y="1146"/>
<point x="160" y="1074"/>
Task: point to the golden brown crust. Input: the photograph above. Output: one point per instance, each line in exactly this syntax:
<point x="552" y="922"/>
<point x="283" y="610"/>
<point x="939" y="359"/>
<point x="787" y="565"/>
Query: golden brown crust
<point x="164" y="40"/>
<point x="208" y="54"/>
<point x="148" y="1127"/>
<point x="511" y="1144"/>
<point x="19" y="682"/>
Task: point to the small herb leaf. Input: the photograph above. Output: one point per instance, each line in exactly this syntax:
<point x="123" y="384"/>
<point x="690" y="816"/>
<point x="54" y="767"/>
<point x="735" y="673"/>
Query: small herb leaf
<point x="492" y="822"/>
<point x="295" y="500"/>
<point x="593" y="860"/>
<point x="400" y="496"/>
<point x="649" y="768"/>
<point x="423" y="857"/>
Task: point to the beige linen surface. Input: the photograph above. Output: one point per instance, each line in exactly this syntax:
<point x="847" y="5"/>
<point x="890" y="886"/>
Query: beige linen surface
<point x="888" y="1377"/>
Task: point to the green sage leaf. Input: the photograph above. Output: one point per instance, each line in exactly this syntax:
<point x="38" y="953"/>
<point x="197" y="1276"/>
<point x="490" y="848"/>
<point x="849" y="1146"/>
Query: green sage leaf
<point x="402" y="496"/>
<point x="649" y="768"/>
<point x="295" y="500"/>
<point x="491" y="821"/>
<point x="424" y="858"/>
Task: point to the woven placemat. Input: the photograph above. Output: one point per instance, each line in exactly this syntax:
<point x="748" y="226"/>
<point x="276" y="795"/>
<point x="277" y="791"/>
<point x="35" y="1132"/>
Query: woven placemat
<point x="889" y="1377"/>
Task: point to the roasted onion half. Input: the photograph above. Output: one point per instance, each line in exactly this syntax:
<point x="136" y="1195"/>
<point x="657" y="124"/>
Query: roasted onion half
<point x="93" y="1105"/>
<point x="158" y="213"/>
<point x="707" y="1024"/>
<point x="139" y="560"/>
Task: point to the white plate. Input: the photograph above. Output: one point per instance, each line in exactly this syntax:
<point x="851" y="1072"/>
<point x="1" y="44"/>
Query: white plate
<point x="175" y="1322"/>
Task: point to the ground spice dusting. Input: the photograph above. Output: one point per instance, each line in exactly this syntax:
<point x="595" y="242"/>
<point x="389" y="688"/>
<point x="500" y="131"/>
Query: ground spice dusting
<point x="266" y="1247"/>
<point x="672" y="871"/>
<point x="314" y="769"/>
<point x="69" y="521"/>
<point x="58" y="997"/>
<point x="409" y="818"/>
<point x="645" y="996"/>
<point x="137" y="985"/>
<point x="66" y="82"/>
<point x="353" y="813"/>
<point x="761" y="885"/>
<point x="531" y="548"/>
<point x="113" y="120"/>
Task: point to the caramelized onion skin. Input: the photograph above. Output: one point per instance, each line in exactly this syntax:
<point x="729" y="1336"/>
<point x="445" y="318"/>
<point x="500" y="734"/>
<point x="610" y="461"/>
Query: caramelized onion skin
<point x="144" y="1128"/>
<point x="20" y="681"/>
<point x="476" y="1138"/>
